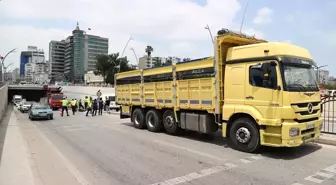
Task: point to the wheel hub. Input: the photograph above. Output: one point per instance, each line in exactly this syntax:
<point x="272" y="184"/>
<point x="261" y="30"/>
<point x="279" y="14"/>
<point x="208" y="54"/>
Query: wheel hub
<point x="170" y="121"/>
<point x="243" y="135"/>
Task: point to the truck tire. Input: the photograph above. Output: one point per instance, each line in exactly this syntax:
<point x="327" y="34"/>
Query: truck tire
<point x="138" y="118"/>
<point x="154" y="121"/>
<point x="170" y="124"/>
<point x="244" y="135"/>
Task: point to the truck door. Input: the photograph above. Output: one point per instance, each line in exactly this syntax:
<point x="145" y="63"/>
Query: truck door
<point x="264" y="96"/>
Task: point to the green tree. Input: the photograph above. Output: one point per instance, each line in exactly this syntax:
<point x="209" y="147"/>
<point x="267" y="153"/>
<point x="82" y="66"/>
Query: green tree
<point x="169" y="61"/>
<point x="108" y="65"/>
<point x="157" y="62"/>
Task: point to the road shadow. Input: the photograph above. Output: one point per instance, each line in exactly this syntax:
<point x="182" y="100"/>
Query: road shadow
<point x="286" y="153"/>
<point x="213" y="138"/>
<point x="3" y="126"/>
<point x="216" y="138"/>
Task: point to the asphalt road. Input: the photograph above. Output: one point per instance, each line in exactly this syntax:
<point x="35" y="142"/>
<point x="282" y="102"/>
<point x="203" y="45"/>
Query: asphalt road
<point x="105" y="150"/>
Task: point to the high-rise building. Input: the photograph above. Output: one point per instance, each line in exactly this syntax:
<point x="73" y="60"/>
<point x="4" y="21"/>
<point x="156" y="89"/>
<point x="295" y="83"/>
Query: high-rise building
<point x="33" y="55"/>
<point x="56" y="59"/>
<point x="145" y="63"/>
<point x="80" y="52"/>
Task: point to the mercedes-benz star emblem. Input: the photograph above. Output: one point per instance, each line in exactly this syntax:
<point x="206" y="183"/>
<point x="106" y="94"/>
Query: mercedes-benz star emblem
<point x="310" y="108"/>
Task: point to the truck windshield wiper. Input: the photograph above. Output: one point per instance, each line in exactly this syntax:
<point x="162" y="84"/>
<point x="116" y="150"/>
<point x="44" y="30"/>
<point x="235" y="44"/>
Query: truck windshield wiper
<point x="298" y="85"/>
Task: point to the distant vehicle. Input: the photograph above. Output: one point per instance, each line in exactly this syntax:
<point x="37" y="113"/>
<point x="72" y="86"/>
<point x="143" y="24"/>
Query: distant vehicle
<point x="17" y="99"/>
<point x="25" y="106"/>
<point x="113" y="105"/>
<point x="38" y="111"/>
<point x="55" y="101"/>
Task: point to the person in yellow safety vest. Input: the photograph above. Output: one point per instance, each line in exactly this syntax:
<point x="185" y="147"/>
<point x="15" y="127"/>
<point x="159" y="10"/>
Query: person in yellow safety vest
<point x="65" y="104"/>
<point x="73" y="106"/>
<point x="89" y="107"/>
<point x="86" y="101"/>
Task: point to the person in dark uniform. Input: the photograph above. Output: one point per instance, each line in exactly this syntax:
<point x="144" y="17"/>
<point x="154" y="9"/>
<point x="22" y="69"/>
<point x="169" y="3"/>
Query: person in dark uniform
<point x="95" y="107"/>
<point x="100" y="106"/>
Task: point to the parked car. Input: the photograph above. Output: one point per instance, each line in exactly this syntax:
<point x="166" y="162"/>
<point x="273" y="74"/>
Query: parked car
<point x="17" y="99"/>
<point x="38" y="111"/>
<point x="25" y="106"/>
<point x="113" y="105"/>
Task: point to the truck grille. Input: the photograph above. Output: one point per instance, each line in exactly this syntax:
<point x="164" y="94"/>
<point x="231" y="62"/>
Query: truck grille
<point x="305" y="112"/>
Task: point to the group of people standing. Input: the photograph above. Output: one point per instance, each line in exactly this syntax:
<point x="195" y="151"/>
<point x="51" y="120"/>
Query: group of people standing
<point x="91" y="106"/>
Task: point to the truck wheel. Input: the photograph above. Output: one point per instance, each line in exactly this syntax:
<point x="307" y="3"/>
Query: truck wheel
<point x="169" y="123"/>
<point x="244" y="135"/>
<point x="138" y="118"/>
<point x="154" y="121"/>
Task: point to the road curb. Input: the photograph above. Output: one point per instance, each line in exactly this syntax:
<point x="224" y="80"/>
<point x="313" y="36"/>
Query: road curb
<point x="328" y="139"/>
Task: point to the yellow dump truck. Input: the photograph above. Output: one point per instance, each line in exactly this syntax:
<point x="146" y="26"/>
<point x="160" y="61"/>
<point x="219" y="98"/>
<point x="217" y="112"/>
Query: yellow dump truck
<point x="256" y="92"/>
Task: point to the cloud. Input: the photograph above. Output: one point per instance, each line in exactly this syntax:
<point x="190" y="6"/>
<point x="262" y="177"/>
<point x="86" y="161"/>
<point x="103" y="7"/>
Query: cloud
<point x="263" y="16"/>
<point x="172" y="27"/>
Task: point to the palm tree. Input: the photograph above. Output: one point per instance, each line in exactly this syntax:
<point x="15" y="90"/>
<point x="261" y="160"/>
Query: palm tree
<point x="149" y="50"/>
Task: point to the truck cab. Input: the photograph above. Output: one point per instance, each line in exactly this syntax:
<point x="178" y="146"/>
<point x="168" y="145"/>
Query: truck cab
<point x="272" y="87"/>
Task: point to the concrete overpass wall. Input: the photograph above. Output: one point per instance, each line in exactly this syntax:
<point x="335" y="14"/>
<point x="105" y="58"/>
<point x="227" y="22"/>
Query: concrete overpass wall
<point x="86" y="90"/>
<point x="3" y="100"/>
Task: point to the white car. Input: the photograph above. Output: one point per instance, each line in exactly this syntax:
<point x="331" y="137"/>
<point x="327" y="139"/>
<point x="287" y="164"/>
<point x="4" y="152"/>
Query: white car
<point x="113" y="105"/>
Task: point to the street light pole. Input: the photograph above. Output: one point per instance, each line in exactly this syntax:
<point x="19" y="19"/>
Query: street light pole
<point x="318" y="72"/>
<point x="136" y="58"/>
<point x="3" y="63"/>
<point x="208" y="28"/>
<point x="122" y="54"/>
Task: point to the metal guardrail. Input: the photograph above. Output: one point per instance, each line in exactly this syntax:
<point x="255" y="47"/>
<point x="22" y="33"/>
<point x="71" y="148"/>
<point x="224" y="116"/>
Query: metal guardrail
<point x="328" y="105"/>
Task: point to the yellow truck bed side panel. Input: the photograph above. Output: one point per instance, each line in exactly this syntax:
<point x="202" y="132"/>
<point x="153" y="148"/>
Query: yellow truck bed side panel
<point x="208" y="62"/>
<point x="158" y="70"/>
<point x="196" y="94"/>
<point x="158" y="94"/>
<point x="128" y="74"/>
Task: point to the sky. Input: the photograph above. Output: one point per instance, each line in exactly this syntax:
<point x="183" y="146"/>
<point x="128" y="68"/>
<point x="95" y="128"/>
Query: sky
<point x="171" y="27"/>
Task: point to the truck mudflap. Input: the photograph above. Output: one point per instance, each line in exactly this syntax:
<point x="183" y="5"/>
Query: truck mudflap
<point x="125" y="112"/>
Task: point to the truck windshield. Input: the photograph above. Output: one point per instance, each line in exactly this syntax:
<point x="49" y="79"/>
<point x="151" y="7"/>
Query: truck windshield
<point x="299" y="77"/>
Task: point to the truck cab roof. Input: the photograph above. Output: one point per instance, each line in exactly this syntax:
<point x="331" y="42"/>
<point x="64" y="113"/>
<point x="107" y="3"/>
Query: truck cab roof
<point x="261" y="50"/>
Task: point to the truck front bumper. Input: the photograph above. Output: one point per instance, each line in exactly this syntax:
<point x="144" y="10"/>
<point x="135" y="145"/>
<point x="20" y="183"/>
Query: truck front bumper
<point x="281" y="137"/>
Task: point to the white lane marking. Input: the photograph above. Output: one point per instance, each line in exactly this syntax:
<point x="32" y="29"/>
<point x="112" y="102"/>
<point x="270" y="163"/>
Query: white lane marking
<point x="297" y="183"/>
<point x="245" y="161"/>
<point x="189" y="150"/>
<point x="74" y="129"/>
<point x="331" y="168"/>
<point x="70" y="126"/>
<point x="196" y="175"/>
<point x="72" y="169"/>
<point x="326" y="175"/>
<point x="116" y="129"/>
<point x="313" y="179"/>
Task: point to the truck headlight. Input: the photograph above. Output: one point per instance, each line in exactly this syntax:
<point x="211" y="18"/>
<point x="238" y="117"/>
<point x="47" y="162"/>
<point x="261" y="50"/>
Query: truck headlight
<point x="321" y="125"/>
<point x="294" y="132"/>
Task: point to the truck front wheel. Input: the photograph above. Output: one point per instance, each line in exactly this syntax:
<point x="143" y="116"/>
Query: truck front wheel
<point x="138" y="118"/>
<point x="154" y="120"/>
<point x="169" y="123"/>
<point x="244" y="135"/>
